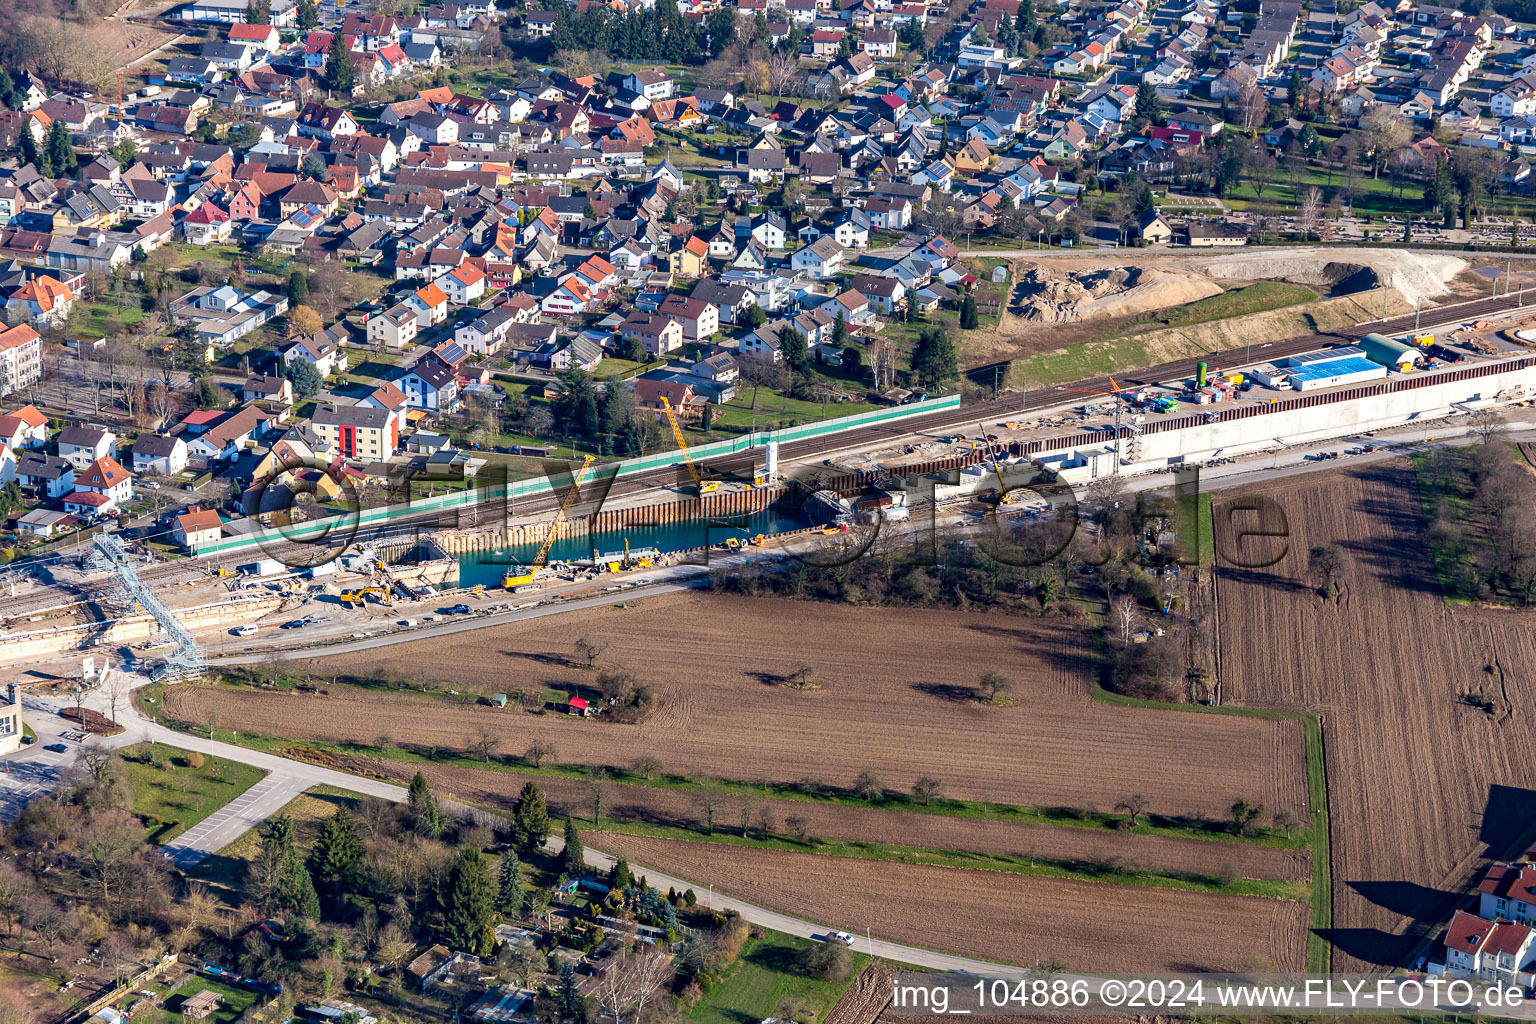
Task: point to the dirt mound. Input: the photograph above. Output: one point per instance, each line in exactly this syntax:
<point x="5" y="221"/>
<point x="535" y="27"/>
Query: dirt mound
<point x="1046" y="296"/>
<point x="93" y="722"/>
<point x="1415" y="275"/>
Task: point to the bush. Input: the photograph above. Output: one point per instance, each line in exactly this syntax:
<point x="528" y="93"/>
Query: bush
<point x="194" y="760"/>
<point x="829" y="961"/>
<point x="730" y="937"/>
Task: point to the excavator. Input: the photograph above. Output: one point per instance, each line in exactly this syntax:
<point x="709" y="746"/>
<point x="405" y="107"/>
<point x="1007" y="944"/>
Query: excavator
<point x="361" y="595"/>
<point x="522" y="575"/>
<point x="701" y="486"/>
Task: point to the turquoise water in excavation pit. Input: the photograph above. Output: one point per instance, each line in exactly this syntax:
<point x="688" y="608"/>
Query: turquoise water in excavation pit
<point x="488" y="567"/>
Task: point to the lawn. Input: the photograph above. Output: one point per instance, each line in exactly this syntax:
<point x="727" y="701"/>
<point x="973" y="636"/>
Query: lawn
<point x="776" y="410"/>
<point x="166" y="786"/>
<point x="1254" y="298"/>
<point x="104" y="319"/>
<point x="232" y="1003"/>
<point x="761" y="982"/>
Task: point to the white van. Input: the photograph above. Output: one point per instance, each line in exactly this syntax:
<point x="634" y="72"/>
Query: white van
<point x="249" y="629"/>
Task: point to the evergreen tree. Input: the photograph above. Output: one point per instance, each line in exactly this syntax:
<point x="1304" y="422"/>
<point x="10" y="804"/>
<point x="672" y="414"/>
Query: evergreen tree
<point x="309" y="16"/>
<point x="426" y="816"/>
<point x="8" y="96"/>
<point x="1148" y="103"/>
<point x="208" y="394"/>
<point x="575" y="863"/>
<point x="1026" y="18"/>
<point x="298" y="286"/>
<point x="619" y="876"/>
<point x="337" y="853"/>
<point x="793" y="345"/>
<point x="530" y="821"/>
<point x="469" y="909"/>
<point x="511" y="897"/>
<point x="340" y="72"/>
<point x="258" y="13"/>
<point x="27" y="150"/>
<point x="124" y="152"/>
<point x="304" y="377"/>
<point x="61" y="151"/>
<point x="968" y="318"/>
<point x="281" y="883"/>
<point x="933" y="360"/>
<point x="567" y="998"/>
<point x="722" y="29"/>
<point x="840" y="332"/>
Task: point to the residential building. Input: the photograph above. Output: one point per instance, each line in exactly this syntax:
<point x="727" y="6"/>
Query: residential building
<point x="660" y="334"/>
<point x="21" y="358"/>
<point x="363" y="432"/>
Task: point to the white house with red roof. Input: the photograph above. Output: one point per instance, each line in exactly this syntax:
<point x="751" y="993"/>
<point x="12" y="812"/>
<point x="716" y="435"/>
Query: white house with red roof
<point x="1488" y="949"/>
<point x="207" y="225"/>
<point x="42" y="300"/>
<point x="24" y="428"/>
<point x="1508" y="891"/>
<point x="106" y="477"/>
<point x="264" y="37"/>
<point x="198" y="529"/>
<point x="570" y="298"/>
<point x="430" y="303"/>
<point x="464" y="285"/>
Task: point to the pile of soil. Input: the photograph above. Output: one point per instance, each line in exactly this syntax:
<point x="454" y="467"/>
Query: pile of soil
<point x="93" y="722"/>
<point x="1054" y="298"/>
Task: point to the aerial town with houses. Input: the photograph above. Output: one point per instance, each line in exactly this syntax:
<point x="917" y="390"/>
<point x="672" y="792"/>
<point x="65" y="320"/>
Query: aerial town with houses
<point x="445" y="450"/>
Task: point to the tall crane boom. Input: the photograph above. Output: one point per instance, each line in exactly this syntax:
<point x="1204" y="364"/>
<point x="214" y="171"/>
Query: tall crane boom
<point x="519" y="575"/>
<point x="700" y="484"/>
<point x="565" y="506"/>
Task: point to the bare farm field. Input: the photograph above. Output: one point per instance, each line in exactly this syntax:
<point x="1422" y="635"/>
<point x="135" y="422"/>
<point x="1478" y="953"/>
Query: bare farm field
<point x="1430" y="740"/>
<point x="1002" y="917"/>
<point x="499" y="790"/>
<point x="893" y="699"/>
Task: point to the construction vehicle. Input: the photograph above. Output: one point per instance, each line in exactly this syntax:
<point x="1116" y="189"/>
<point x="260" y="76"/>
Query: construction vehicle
<point x="522" y="575"/>
<point x="361" y="595"/>
<point x="700" y="485"/>
<point x="1003" y="497"/>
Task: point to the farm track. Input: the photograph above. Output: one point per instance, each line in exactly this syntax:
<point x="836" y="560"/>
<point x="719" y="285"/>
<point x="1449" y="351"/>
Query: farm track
<point x="499" y="790"/>
<point x="1010" y="918"/>
<point x="892" y="700"/>
<point x="1422" y="786"/>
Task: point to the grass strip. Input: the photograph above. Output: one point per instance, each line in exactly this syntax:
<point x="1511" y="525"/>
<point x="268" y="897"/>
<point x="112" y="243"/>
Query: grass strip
<point x="1069" y="817"/>
<point x="1079" y="870"/>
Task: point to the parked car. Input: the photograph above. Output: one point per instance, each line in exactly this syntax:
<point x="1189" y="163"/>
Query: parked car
<point x="249" y="629"/>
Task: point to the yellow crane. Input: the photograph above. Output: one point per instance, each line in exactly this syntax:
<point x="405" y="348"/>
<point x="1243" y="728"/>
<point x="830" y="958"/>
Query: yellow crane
<point x="520" y="575"/>
<point x="1003" y="496"/>
<point x="700" y="484"/>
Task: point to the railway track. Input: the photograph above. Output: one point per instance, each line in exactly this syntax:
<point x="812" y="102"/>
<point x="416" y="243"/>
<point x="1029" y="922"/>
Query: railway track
<point x="490" y="512"/>
<point x="1010" y="406"/>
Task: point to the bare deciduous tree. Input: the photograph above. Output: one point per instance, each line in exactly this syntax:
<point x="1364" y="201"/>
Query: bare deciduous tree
<point x="1127" y="617"/>
<point x="625" y="989"/>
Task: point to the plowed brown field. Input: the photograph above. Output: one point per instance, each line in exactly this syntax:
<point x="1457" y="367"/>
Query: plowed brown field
<point x="496" y="789"/>
<point x="886" y="704"/>
<point x="1421" y="785"/>
<point x="995" y="916"/>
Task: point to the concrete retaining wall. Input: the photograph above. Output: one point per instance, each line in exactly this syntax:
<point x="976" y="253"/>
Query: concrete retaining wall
<point x="132" y="629"/>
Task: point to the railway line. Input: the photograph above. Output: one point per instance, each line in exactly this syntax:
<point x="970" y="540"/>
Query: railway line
<point x="492" y="511"/>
